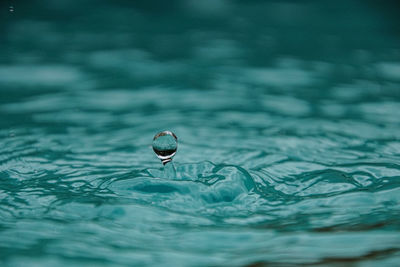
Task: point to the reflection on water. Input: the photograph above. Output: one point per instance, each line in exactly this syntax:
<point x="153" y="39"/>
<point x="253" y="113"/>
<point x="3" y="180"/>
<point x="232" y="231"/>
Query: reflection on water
<point x="286" y="113"/>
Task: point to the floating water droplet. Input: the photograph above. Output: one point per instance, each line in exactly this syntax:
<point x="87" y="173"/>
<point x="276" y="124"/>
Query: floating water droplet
<point x="165" y="145"/>
<point x="11" y="9"/>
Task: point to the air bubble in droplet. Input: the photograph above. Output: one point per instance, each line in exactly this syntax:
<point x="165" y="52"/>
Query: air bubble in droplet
<point x="165" y="145"/>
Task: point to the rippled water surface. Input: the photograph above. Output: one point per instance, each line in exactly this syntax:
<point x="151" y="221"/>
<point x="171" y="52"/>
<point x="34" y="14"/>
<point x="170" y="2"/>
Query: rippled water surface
<point x="287" y="115"/>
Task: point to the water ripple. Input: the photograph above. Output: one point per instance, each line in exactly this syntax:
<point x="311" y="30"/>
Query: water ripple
<point x="289" y="150"/>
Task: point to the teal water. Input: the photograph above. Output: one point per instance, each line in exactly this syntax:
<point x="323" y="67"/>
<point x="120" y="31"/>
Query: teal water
<point x="287" y="115"/>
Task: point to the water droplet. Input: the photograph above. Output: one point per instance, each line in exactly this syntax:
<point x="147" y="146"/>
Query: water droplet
<point x="11" y="9"/>
<point x="165" y="145"/>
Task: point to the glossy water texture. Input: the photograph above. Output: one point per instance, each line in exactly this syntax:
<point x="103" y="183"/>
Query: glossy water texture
<point x="287" y="114"/>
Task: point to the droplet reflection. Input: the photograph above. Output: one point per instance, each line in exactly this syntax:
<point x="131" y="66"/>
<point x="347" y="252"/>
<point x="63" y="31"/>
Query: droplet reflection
<point x="165" y="145"/>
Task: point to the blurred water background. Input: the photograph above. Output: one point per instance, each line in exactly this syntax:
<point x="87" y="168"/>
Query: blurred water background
<point x="287" y="115"/>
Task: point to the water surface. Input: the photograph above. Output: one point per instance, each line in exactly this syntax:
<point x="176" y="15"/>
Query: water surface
<point x="287" y="115"/>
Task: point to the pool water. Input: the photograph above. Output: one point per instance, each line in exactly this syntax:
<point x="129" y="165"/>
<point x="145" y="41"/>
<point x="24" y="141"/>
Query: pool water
<point x="286" y="113"/>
